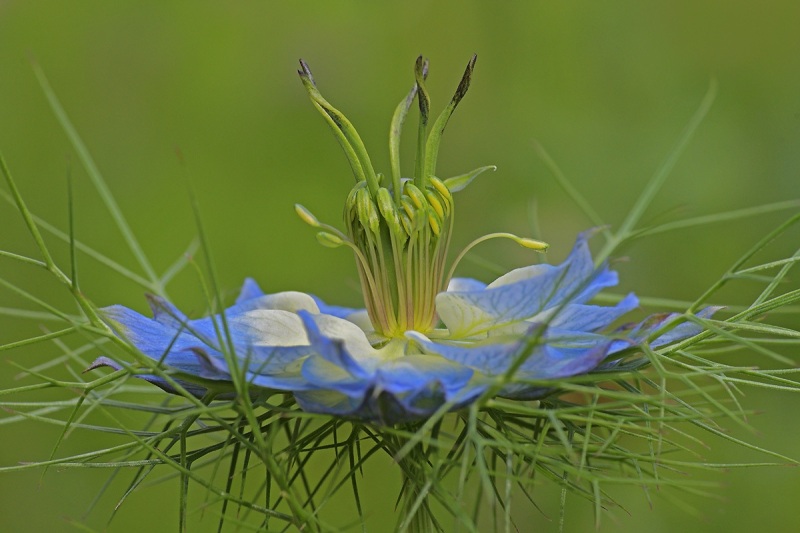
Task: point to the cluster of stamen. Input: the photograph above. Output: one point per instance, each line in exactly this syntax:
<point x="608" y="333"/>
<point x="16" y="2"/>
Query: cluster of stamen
<point x="402" y="252"/>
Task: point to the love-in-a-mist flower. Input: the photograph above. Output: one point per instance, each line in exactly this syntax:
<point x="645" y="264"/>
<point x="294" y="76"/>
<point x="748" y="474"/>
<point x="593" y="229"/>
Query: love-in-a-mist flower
<point x="425" y="341"/>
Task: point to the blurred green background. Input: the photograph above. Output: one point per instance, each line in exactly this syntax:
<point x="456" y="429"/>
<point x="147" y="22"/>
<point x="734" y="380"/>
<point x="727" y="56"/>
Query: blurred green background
<point x="606" y="87"/>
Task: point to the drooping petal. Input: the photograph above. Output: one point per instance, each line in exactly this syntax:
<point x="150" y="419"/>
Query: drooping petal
<point x="332" y="347"/>
<point x="291" y="301"/>
<point x="251" y="290"/>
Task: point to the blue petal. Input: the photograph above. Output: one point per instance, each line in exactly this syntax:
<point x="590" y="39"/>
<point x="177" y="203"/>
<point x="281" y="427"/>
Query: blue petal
<point x="332" y="350"/>
<point x="568" y="355"/>
<point x="165" y="313"/>
<point x="334" y="310"/>
<point x="163" y="343"/>
<point x="684" y="330"/>
<point x="271" y="343"/>
<point x="584" y="317"/>
<point x="408" y="373"/>
<point x="323" y="374"/>
<point x="523" y="293"/>
<point x="250" y="290"/>
<point x="163" y="384"/>
<point x="556" y="354"/>
<point x="399" y="393"/>
<point x="382" y="389"/>
<point x="420" y="384"/>
<point x="489" y="358"/>
<point x="639" y="333"/>
<point x="269" y="367"/>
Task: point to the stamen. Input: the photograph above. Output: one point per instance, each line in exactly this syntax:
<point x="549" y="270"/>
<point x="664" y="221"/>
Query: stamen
<point x="525" y="242"/>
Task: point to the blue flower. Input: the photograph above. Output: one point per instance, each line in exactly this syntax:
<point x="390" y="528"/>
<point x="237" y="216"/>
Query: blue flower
<point x="294" y="343"/>
<point x="424" y="342"/>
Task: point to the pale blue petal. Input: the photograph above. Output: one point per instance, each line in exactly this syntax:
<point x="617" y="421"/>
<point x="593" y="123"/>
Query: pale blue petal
<point x="523" y="293"/>
<point x="291" y="301"/>
<point x="638" y="333"/>
<point x="556" y="354"/>
<point x="260" y="327"/>
<point x="271" y="342"/>
<point x="417" y="404"/>
<point x="488" y="358"/>
<point x="378" y="389"/>
<point x="565" y="356"/>
<point x="584" y="317"/>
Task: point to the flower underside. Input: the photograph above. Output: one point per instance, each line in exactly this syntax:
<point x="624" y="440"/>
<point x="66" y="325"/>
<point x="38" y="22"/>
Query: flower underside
<point x="425" y="341"/>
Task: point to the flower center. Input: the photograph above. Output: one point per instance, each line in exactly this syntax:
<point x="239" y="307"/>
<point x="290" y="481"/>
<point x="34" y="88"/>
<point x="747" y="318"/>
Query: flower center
<point x="402" y="248"/>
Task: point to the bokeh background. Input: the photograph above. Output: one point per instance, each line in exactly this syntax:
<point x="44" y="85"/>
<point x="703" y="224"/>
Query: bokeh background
<point x="606" y="87"/>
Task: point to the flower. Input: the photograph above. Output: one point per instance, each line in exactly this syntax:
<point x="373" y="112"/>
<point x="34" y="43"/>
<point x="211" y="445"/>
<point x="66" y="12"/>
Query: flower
<point x="293" y="342"/>
<point x="426" y="342"/>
